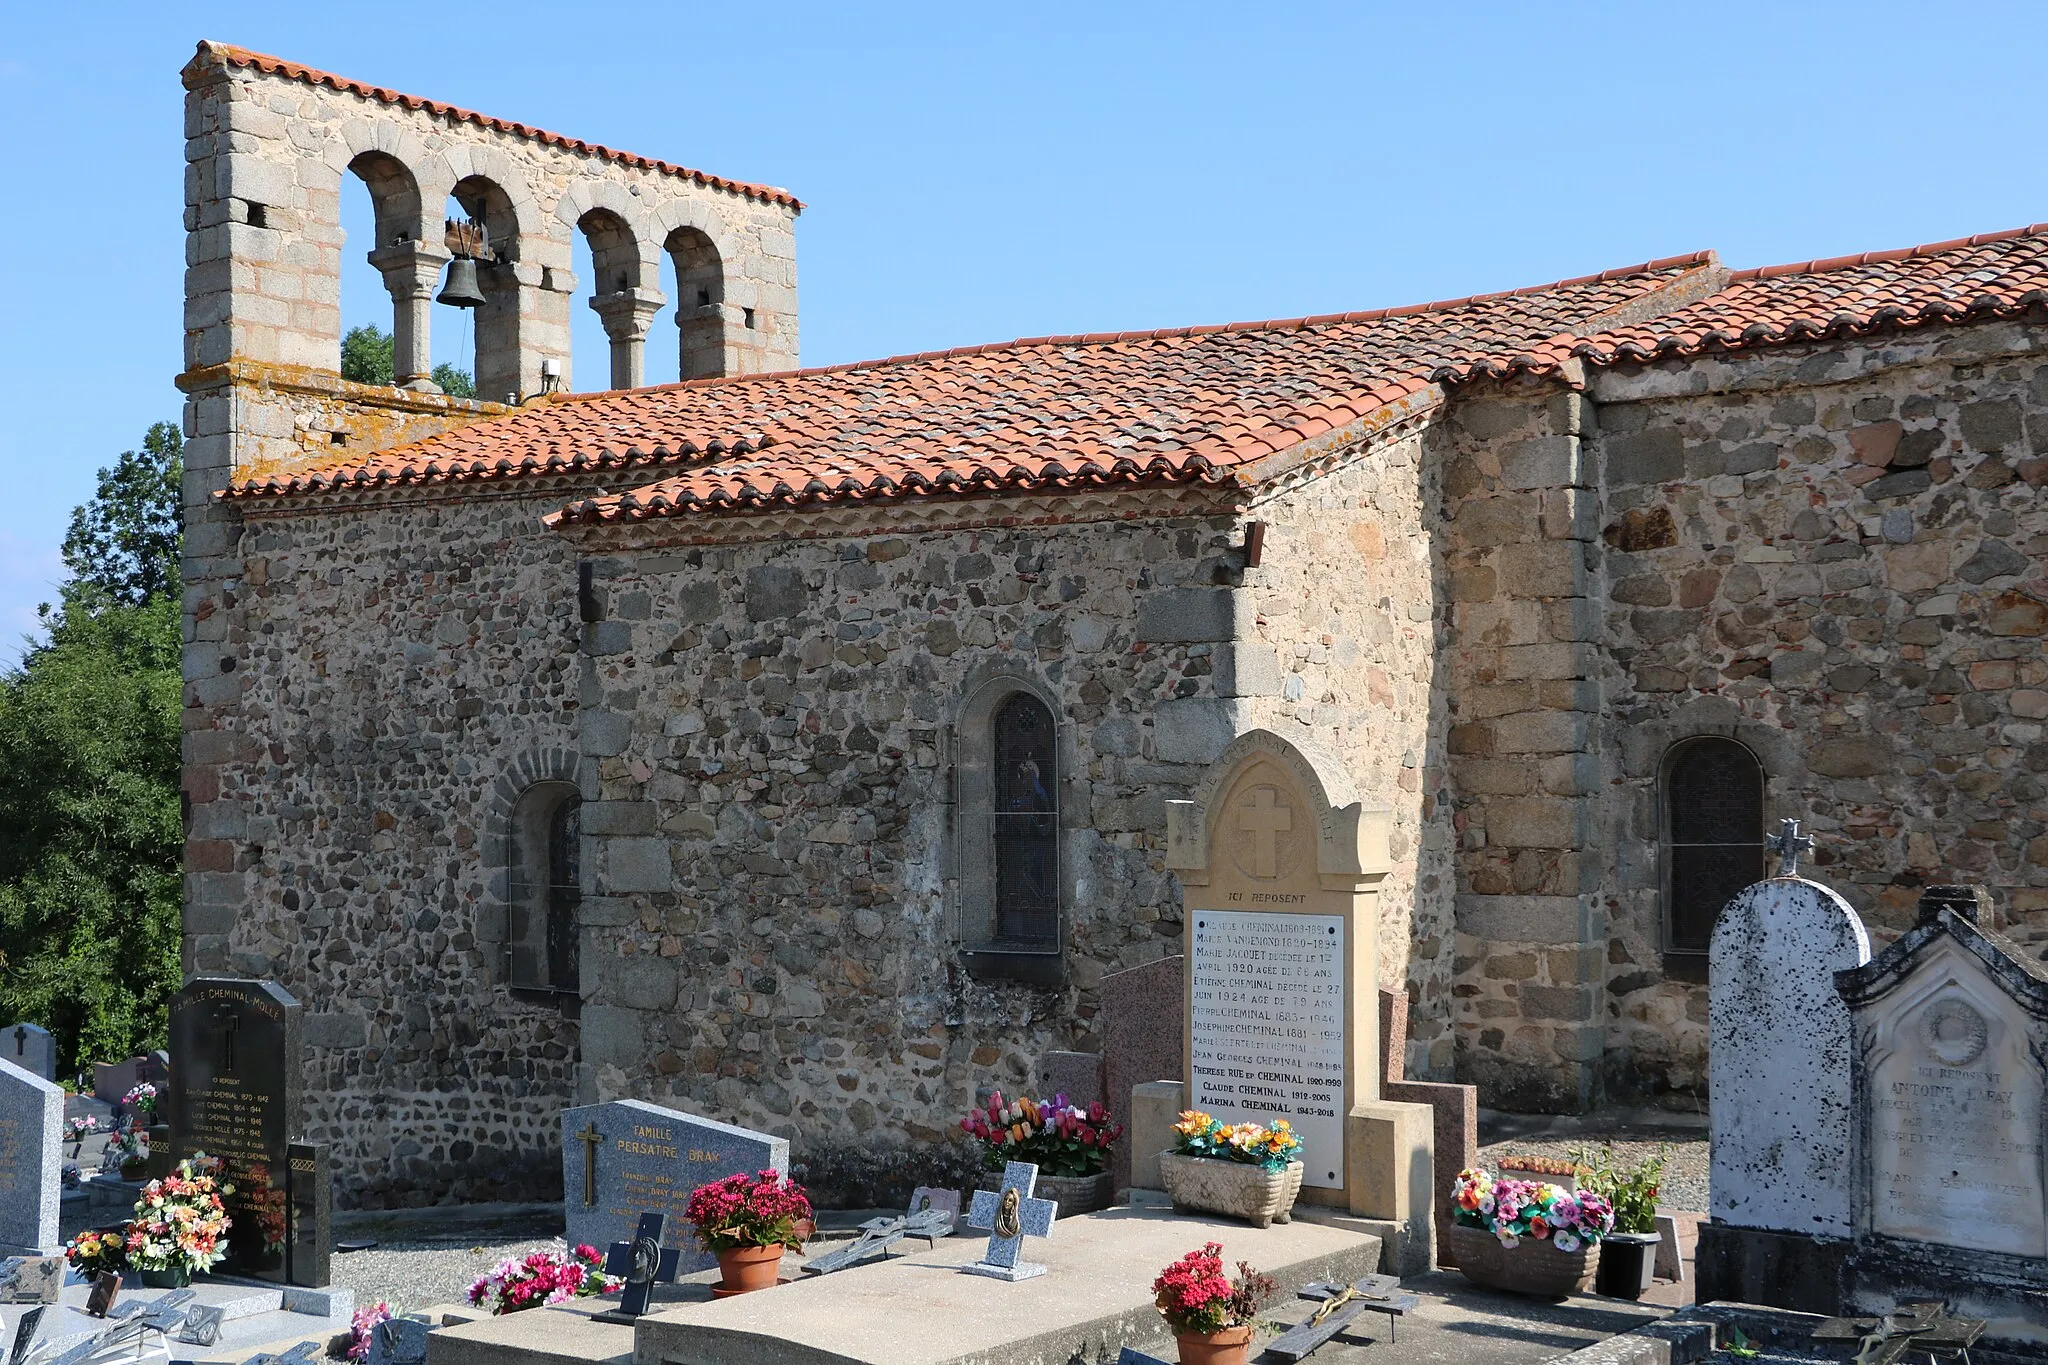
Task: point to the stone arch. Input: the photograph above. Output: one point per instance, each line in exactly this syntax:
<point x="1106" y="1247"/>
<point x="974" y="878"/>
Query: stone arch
<point x="707" y="308"/>
<point x="587" y="197"/>
<point x="1351" y="837"/>
<point x="1708" y="842"/>
<point x="626" y="275"/>
<point x="525" y="809"/>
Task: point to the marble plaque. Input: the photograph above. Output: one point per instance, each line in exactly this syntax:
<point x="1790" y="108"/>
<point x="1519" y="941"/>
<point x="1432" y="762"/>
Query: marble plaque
<point x="31" y="1131"/>
<point x="1955" y="1122"/>
<point x="1266" y="1016"/>
<point x="629" y="1157"/>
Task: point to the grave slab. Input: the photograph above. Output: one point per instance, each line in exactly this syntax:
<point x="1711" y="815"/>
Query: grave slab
<point x="254" y="1315"/>
<point x="31" y="1159"/>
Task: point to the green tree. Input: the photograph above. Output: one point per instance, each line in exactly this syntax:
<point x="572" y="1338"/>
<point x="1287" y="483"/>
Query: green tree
<point x="366" y="356"/>
<point x="91" y="835"/>
<point x="455" y="383"/>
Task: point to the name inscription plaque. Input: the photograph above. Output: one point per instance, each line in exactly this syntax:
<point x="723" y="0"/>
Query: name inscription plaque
<point x="1266" y="1024"/>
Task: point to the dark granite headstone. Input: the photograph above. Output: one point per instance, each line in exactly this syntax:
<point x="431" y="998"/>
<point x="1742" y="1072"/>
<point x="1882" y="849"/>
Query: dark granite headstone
<point x="628" y="1157"/>
<point x="30" y="1047"/>
<point x="312" y="1214"/>
<point x="235" y="1067"/>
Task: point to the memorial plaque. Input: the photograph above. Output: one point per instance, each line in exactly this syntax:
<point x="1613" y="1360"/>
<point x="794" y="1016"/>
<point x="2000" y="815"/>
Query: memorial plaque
<point x="31" y="1160"/>
<point x="1266" y="1014"/>
<point x="1279" y="864"/>
<point x="235" y="1095"/>
<point x="629" y="1157"/>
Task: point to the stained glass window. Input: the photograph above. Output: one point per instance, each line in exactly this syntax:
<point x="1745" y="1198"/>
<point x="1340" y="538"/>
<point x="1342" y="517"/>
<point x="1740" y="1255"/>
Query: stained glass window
<point x="1026" y="824"/>
<point x="1714" y="823"/>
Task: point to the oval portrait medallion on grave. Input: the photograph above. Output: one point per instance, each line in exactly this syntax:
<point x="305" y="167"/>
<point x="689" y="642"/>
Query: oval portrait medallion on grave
<point x="1264" y="832"/>
<point x="1953" y="1031"/>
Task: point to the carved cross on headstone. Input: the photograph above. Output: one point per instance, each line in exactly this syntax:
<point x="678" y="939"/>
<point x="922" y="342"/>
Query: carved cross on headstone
<point x="642" y="1263"/>
<point x="20" y="1041"/>
<point x="591" y="1140"/>
<point x="1789" y="844"/>
<point x="1265" y="822"/>
<point x="1011" y="1214"/>
<point x="225" y="1022"/>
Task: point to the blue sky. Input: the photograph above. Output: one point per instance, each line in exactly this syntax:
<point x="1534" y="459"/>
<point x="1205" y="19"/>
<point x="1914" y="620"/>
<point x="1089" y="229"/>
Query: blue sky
<point x="976" y="172"/>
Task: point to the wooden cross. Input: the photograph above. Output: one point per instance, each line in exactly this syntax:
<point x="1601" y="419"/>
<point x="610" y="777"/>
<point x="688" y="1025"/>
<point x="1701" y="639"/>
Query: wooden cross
<point x="877" y="1235"/>
<point x="1264" y="821"/>
<point x="643" y="1263"/>
<point x="1011" y="1214"/>
<point x="1788" y="844"/>
<point x="591" y="1140"/>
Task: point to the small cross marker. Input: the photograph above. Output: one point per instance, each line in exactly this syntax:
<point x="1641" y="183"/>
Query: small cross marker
<point x="643" y="1262"/>
<point x="1011" y="1214"/>
<point x="1789" y="844"/>
<point x="591" y="1140"/>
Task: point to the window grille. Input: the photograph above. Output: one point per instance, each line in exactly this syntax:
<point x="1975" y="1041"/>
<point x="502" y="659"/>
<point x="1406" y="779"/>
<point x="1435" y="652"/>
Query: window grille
<point x="564" y="892"/>
<point x="1024" y="825"/>
<point x="1714" y="835"/>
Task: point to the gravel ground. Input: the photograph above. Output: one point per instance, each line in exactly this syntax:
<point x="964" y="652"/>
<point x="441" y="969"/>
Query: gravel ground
<point x="1685" y="1179"/>
<point x="413" y="1275"/>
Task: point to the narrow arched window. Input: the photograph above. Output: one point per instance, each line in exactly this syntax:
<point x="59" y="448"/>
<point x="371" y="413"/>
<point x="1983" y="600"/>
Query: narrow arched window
<point x="1714" y="835"/>
<point x="545" y="889"/>
<point x="1025" y="824"/>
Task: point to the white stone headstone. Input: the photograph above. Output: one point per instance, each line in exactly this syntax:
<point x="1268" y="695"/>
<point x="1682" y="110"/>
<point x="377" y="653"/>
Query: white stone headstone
<point x="1779" y="1059"/>
<point x="31" y="1129"/>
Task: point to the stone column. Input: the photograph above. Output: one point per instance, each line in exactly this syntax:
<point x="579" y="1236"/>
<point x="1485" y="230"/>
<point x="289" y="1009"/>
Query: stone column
<point x="411" y="270"/>
<point x="627" y="315"/>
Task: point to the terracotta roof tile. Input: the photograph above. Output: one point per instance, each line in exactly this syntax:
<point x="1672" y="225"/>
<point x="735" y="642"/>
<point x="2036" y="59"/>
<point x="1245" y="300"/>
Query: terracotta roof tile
<point x="230" y="55"/>
<point x="1182" y="405"/>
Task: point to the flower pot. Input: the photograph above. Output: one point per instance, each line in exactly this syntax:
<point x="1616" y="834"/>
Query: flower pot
<point x="1231" y="1346"/>
<point x="1534" y="1266"/>
<point x="1201" y="1184"/>
<point x="177" y="1277"/>
<point x="135" y="1168"/>
<point x="1077" y="1193"/>
<point x="1628" y="1264"/>
<point x="745" y="1269"/>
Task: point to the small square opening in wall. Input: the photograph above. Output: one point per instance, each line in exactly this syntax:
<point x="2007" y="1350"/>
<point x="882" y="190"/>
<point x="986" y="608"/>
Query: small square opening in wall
<point x="258" y="214"/>
<point x="337" y="438"/>
<point x="703" y="298"/>
<point x="750" y="319"/>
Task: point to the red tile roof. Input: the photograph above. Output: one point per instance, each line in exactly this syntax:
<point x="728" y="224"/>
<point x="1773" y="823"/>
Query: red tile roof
<point x="1191" y="404"/>
<point x="1972" y="279"/>
<point x="229" y="55"/>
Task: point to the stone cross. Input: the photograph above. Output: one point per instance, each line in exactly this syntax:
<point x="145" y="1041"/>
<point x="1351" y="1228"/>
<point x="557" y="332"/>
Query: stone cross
<point x="642" y="1263"/>
<point x="225" y="1021"/>
<point x="1789" y="844"/>
<point x="1011" y="1214"/>
<point x="1265" y="821"/>
<point x="591" y="1140"/>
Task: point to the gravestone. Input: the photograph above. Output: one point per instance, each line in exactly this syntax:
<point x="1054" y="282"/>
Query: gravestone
<point x="1077" y="1075"/>
<point x="234" y="1094"/>
<point x="1144" y="1038"/>
<point x="30" y="1047"/>
<point x="1950" y="1066"/>
<point x="624" y="1158"/>
<point x="1280" y="864"/>
<point x="31" y="1162"/>
<point x="1454" y="1111"/>
<point x="1779" y="1077"/>
<point x="1011" y="1214"/>
<point x="112" y="1080"/>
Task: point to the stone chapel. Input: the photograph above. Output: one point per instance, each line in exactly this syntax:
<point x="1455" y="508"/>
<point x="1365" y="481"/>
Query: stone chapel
<point x="794" y="745"/>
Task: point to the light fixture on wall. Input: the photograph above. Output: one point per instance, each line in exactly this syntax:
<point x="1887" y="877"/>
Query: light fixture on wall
<point x="550" y="374"/>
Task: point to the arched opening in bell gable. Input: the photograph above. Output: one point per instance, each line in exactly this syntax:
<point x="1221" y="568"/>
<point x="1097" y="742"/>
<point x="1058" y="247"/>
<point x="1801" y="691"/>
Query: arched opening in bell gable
<point x="385" y="276"/>
<point x="700" y="304"/>
<point x="613" y="353"/>
<point x="486" y="343"/>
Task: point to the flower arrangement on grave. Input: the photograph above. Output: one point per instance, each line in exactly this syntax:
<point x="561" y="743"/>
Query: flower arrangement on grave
<point x="1199" y="1134"/>
<point x="1059" y="1138"/>
<point x="1514" y="1209"/>
<point x="1544" y="1165"/>
<point x="747" y="1222"/>
<point x="92" y="1252"/>
<point x="362" y="1326"/>
<point x="127" y="1152"/>
<point x="264" y="1200"/>
<point x="1631" y="1189"/>
<point x="542" y="1277"/>
<point x="139" y="1104"/>
<point x="82" y="1127"/>
<point x="1210" y="1313"/>
<point x="180" y="1224"/>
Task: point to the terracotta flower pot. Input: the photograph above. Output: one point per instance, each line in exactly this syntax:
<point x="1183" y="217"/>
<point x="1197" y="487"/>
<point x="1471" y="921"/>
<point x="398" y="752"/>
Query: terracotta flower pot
<point x="1231" y="1346"/>
<point x="745" y="1269"/>
<point x="1533" y="1266"/>
<point x="1236" y="1189"/>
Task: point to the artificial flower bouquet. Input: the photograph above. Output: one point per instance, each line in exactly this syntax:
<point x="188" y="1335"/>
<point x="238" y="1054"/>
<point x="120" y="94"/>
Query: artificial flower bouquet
<point x="80" y="1128"/>
<point x="1514" y="1209"/>
<point x="1197" y="1299"/>
<point x="764" y="1210"/>
<point x="1250" y="1144"/>
<point x="540" y="1278"/>
<point x="1059" y="1138"/>
<point x="125" y="1148"/>
<point x="363" y="1326"/>
<point x="93" y="1252"/>
<point x="179" y="1221"/>
<point x="140" y="1103"/>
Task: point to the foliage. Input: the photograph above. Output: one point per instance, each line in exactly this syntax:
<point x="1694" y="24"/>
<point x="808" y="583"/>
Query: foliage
<point x="368" y="357"/>
<point x="1514" y="1209"/>
<point x="1250" y="1144"/>
<point x="543" y="1277"/>
<point x="122" y="547"/>
<point x="91" y="1252"/>
<point x="1633" y="1190"/>
<point x="1057" y="1137"/>
<point x="180" y="1221"/>
<point x="1196" y="1297"/>
<point x="744" y="1210"/>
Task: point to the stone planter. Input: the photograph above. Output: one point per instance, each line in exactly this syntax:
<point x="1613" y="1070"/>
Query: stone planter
<point x="1231" y="1346"/>
<point x="1200" y="1184"/>
<point x="1534" y="1266"/>
<point x="1628" y="1264"/>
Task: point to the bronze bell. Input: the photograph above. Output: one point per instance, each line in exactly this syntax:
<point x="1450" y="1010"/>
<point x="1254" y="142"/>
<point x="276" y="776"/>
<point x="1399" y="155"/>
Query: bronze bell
<point x="461" y="289"/>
